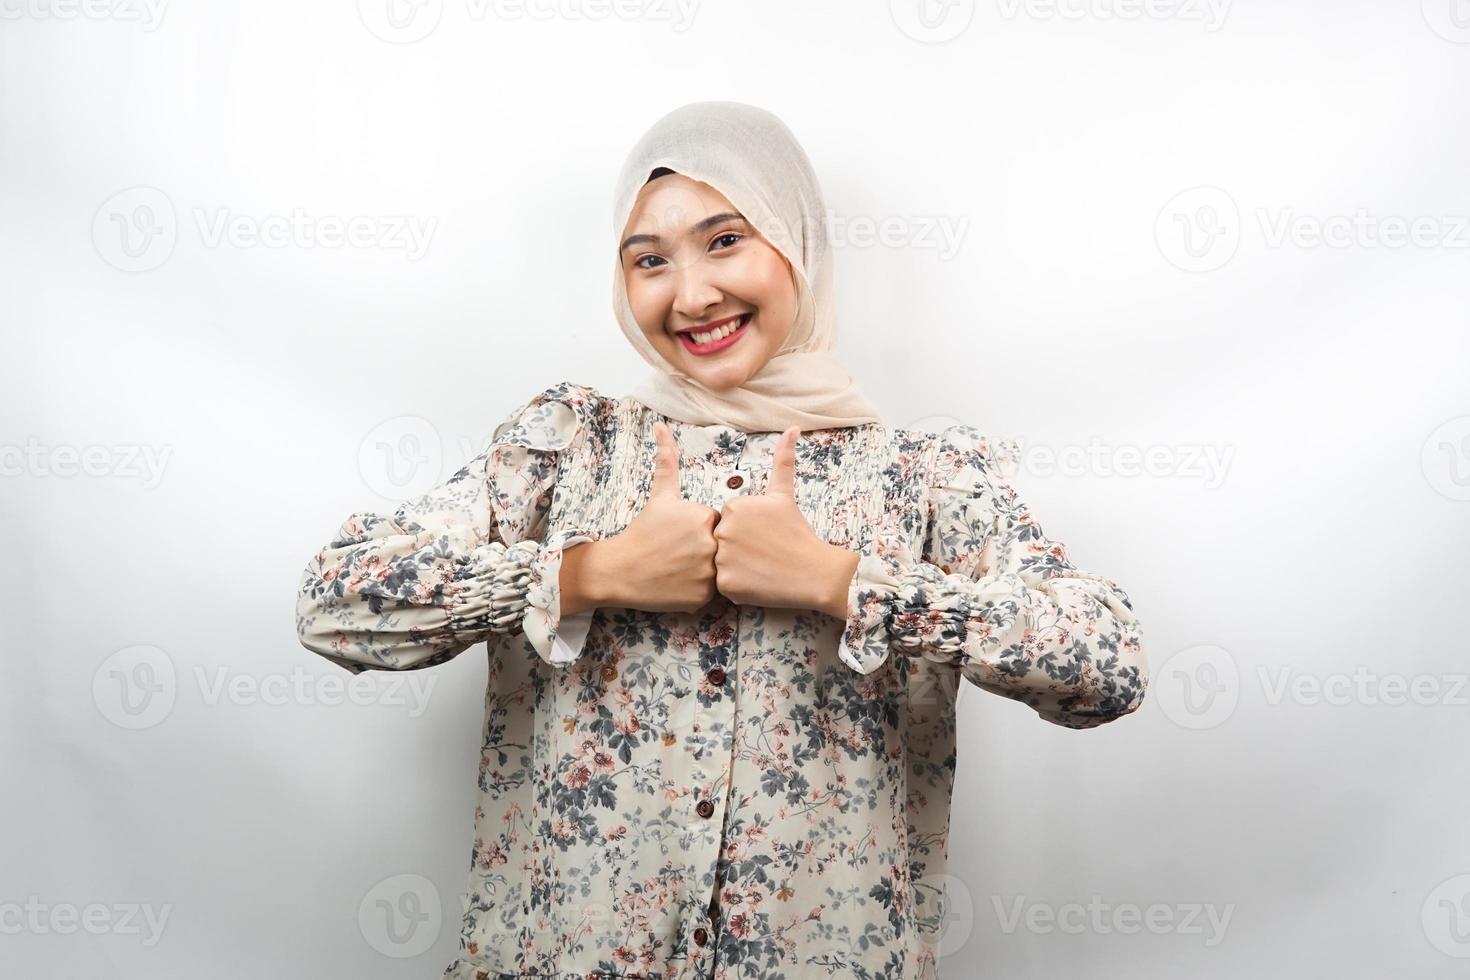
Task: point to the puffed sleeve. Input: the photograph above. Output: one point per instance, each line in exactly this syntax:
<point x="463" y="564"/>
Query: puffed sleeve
<point x="469" y="558"/>
<point x="994" y="596"/>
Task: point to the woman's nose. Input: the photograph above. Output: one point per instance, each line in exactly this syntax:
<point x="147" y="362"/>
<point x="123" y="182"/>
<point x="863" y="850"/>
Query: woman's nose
<point x="695" y="292"/>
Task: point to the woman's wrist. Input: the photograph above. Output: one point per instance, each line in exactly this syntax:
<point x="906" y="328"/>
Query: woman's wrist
<point x="586" y="577"/>
<point x="837" y="569"/>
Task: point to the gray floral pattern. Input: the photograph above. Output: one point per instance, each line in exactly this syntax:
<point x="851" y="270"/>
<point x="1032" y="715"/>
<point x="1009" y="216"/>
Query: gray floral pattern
<point x="735" y="792"/>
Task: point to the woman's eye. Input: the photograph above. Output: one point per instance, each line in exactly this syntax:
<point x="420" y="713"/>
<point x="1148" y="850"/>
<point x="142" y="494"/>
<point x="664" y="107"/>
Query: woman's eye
<point x="730" y="234"/>
<point x="639" y="262"/>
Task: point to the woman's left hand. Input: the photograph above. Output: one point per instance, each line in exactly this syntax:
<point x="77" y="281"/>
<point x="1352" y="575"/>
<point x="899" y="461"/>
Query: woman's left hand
<point x="768" y="555"/>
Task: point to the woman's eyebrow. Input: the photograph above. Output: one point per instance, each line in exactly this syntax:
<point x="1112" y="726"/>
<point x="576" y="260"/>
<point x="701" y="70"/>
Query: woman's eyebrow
<point x="697" y="228"/>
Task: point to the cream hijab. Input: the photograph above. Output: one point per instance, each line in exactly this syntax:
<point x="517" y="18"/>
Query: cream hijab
<point x="748" y="155"/>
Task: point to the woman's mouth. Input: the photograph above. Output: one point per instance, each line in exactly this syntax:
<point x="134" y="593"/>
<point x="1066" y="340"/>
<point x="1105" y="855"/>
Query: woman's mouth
<point x="717" y="339"/>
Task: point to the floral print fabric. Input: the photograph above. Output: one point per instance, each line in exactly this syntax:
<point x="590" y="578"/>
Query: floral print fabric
<point x="737" y="791"/>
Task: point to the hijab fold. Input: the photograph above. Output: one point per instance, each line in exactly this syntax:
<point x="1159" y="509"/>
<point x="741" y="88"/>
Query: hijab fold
<point x="752" y="158"/>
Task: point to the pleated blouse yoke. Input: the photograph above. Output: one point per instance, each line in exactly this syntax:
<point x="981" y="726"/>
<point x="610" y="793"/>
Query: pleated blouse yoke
<point x="734" y="462"/>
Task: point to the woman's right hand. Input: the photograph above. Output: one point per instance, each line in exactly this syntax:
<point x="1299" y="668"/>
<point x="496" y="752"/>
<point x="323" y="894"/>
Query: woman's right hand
<point x="664" y="560"/>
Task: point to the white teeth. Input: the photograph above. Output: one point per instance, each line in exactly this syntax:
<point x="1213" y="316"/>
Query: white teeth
<point x="717" y="334"/>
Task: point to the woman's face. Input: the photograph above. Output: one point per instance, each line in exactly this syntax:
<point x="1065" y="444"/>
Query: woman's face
<point x="693" y="265"/>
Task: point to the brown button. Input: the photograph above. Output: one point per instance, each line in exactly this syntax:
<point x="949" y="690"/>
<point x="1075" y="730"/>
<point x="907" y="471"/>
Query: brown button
<point x="944" y="569"/>
<point x="716" y="676"/>
<point x="705" y="808"/>
<point x="735" y="481"/>
<point x="609" y="672"/>
<point x="701" y="935"/>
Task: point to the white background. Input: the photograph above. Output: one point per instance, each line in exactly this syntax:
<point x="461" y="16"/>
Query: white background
<point x="1131" y="191"/>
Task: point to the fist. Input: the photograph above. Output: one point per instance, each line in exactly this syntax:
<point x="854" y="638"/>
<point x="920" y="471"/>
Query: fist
<point x="767" y="554"/>
<point x="664" y="560"/>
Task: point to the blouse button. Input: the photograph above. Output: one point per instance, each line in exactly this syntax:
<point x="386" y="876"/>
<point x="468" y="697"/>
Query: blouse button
<point x="701" y="935"/>
<point x="735" y="481"/>
<point x="944" y="569"/>
<point x="705" y="808"/>
<point x="716" y="676"/>
<point x="609" y="672"/>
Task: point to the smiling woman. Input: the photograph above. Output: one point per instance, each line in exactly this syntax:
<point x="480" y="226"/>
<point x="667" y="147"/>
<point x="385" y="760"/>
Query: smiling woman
<point x="728" y="614"/>
<point x="718" y="213"/>
<point x="705" y="286"/>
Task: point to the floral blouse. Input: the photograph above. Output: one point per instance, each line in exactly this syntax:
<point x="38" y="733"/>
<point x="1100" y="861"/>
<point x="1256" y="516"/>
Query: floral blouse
<point x="738" y="791"/>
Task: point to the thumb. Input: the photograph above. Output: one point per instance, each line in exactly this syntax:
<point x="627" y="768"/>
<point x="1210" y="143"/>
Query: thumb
<point x="783" y="464"/>
<point x="666" y="464"/>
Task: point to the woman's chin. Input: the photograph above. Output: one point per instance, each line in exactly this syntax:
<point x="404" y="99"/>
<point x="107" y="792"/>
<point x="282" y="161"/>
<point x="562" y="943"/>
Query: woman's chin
<point x="719" y="377"/>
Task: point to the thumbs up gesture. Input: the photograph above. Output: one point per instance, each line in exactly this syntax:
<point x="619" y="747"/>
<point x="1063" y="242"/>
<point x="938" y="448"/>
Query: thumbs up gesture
<point x="664" y="560"/>
<point x="768" y="555"/>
